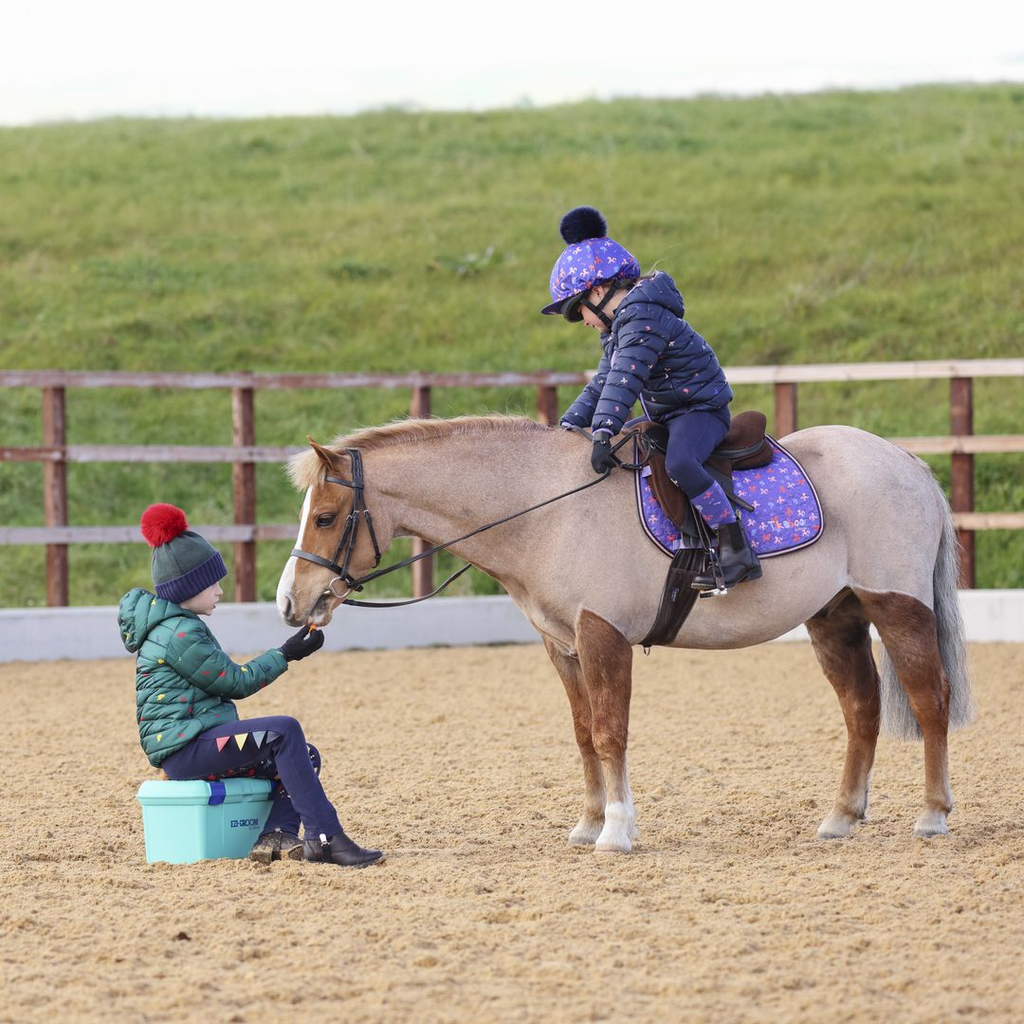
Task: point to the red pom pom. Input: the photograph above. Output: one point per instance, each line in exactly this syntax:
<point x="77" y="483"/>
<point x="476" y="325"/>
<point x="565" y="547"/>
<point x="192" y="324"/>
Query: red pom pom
<point x="161" y="523"/>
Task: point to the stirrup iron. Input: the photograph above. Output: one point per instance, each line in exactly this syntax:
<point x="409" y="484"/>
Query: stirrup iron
<point x="719" y="589"/>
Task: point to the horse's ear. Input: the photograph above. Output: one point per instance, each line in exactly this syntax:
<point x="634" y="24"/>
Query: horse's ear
<point x="325" y="455"/>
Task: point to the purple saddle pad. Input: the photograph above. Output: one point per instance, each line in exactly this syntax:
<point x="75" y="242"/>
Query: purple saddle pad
<point x="786" y="516"/>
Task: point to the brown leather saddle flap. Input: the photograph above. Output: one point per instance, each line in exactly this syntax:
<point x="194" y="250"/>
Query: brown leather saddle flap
<point x="745" y="447"/>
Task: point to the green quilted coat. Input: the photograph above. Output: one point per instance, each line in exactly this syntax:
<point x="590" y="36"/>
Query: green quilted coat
<point x="184" y="682"/>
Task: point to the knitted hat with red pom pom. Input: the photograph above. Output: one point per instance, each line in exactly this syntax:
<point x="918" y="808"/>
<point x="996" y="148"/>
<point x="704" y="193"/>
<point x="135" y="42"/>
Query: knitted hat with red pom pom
<point x="184" y="564"/>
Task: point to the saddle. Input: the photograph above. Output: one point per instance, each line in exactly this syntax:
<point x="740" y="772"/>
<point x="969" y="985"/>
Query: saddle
<point x="744" y="447"/>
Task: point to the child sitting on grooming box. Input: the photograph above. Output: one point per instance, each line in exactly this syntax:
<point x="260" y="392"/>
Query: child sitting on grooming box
<point x="185" y="685"/>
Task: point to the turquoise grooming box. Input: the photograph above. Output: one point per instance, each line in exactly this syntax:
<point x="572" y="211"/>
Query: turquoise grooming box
<point x="189" y="821"/>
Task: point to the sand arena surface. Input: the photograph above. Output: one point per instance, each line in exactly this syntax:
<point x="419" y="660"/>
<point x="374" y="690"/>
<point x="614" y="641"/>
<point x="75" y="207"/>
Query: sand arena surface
<point x="462" y="765"/>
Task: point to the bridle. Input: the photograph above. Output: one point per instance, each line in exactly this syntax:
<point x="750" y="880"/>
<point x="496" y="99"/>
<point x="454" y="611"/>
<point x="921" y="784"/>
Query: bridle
<point x="349" y="535"/>
<point x="361" y="513"/>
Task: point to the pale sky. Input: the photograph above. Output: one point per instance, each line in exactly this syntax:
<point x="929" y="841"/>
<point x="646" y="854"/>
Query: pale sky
<point x="72" y="60"/>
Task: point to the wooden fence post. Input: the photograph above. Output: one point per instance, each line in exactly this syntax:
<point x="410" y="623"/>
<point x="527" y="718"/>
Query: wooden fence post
<point x="55" y="495"/>
<point x="547" y="404"/>
<point x="423" y="570"/>
<point x="961" y="422"/>
<point x="243" y="478"/>
<point x="785" y="409"/>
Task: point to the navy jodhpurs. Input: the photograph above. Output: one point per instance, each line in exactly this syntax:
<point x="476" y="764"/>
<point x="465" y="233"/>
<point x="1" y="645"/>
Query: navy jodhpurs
<point x="284" y="755"/>
<point x="692" y="437"/>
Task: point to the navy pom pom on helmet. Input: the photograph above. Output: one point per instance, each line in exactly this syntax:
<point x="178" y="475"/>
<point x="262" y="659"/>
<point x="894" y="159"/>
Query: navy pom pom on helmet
<point x="590" y="258"/>
<point x="582" y="223"/>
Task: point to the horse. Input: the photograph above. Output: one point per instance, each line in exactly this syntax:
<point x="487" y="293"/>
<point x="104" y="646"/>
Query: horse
<point x="589" y="581"/>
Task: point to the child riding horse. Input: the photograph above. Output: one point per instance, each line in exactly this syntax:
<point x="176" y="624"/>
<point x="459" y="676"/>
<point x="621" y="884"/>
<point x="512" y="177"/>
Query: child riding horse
<point x="650" y="353"/>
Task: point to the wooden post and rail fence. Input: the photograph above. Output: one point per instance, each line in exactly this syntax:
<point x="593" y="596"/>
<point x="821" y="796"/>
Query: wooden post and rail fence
<point x="961" y="444"/>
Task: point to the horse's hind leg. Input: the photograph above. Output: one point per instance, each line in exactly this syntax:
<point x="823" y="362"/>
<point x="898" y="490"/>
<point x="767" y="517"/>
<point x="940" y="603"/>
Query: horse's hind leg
<point x="588" y="828"/>
<point x="842" y="644"/>
<point x="606" y="659"/>
<point x="907" y="628"/>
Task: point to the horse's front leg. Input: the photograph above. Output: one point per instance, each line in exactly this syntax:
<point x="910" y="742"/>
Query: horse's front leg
<point x="606" y="660"/>
<point x="588" y="828"/>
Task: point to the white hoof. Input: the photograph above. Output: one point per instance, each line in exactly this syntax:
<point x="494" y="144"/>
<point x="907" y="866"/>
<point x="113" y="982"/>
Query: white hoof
<point x="619" y="824"/>
<point x="931" y="824"/>
<point x="586" y="831"/>
<point x="617" y="844"/>
<point x="837" y="826"/>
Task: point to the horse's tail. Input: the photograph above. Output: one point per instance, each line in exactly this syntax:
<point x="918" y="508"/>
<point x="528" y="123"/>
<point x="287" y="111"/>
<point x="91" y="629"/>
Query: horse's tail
<point x="897" y="717"/>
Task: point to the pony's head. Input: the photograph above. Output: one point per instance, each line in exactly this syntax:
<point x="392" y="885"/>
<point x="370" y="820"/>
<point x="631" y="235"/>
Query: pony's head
<point x="337" y="542"/>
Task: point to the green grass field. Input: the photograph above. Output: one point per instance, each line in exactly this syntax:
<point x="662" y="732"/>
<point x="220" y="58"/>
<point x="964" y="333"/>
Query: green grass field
<point x="836" y="227"/>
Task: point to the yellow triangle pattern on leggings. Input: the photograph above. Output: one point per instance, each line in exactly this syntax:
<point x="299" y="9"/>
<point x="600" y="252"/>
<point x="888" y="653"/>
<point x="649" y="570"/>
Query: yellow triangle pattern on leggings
<point x="240" y="739"/>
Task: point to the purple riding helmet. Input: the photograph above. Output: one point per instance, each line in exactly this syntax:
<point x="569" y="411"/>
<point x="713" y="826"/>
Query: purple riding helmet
<point x="590" y="258"/>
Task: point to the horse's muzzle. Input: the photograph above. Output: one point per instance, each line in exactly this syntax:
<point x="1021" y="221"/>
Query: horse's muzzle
<point x="285" y="610"/>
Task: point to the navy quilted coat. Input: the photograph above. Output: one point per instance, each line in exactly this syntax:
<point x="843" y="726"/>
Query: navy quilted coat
<point x="184" y="682"/>
<point x="653" y="354"/>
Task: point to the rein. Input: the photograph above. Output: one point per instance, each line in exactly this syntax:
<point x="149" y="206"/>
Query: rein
<point x="361" y="512"/>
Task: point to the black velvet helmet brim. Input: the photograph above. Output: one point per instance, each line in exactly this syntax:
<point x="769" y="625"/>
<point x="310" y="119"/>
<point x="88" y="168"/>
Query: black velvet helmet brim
<point x="569" y="308"/>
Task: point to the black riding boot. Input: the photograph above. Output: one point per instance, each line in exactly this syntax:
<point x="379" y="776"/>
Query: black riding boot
<point x="276" y="845"/>
<point x="736" y="559"/>
<point x="338" y="849"/>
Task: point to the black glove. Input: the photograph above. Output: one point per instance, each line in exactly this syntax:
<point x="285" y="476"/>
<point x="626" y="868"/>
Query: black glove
<point x="601" y="457"/>
<point x="302" y="644"/>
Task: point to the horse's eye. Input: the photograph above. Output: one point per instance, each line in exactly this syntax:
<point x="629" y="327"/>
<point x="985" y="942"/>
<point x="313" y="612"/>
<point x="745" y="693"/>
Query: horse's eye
<point x="327" y="519"/>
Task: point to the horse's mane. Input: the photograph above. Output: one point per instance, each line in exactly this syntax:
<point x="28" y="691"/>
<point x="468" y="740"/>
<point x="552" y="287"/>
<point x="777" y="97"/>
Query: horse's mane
<point x="306" y="469"/>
